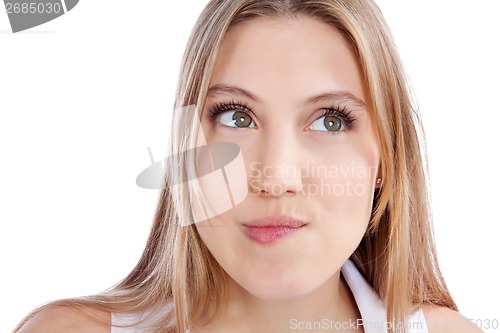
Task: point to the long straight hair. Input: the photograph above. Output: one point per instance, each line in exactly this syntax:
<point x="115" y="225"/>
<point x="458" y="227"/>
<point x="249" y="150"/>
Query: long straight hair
<point x="179" y="283"/>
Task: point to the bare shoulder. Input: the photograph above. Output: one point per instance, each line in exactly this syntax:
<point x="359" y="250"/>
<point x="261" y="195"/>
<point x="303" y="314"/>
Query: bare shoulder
<point x="68" y="320"/>
<point x="441" y="319"/>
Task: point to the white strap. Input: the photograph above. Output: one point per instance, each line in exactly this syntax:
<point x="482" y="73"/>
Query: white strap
<point x="370" y="306"/>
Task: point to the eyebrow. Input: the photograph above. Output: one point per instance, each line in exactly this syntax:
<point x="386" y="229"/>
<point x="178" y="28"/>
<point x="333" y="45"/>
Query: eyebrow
<point x="335" y="96"/>
<point x="222" y="89"/>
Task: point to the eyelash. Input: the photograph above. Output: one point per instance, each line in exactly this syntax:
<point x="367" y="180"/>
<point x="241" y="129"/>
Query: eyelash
<point x="345" y="114"/>
<point x="219" y="108"/>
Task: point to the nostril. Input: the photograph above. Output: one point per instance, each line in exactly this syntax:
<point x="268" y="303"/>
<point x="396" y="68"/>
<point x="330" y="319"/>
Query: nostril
<point x="279" y="188"/>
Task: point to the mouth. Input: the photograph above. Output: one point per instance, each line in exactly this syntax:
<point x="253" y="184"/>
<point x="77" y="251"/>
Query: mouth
<point x="269" y="229"/>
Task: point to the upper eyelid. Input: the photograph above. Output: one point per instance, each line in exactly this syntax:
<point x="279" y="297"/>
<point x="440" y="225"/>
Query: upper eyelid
<point x="342" y="110"/>
<point x="341" y="107"/>
<point x="231" y="106"/>
<point x="231" y="103"/>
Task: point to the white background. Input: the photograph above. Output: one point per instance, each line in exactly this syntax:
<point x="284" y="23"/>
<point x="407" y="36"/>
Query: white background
<point x="83" y="96"/>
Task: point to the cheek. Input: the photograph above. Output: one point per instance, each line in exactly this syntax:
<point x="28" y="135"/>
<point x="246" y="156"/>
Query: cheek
<point x="340" y="187"/>
<point x="221" y="238"/>
<point x="347" y="185"/>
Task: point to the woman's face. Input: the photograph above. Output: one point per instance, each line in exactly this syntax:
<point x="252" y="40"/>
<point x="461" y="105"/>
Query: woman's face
<point x="291" y="94"/>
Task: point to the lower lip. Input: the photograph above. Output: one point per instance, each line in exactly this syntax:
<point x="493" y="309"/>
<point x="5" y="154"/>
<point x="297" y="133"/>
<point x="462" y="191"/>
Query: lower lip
<point x="267" y="235"/>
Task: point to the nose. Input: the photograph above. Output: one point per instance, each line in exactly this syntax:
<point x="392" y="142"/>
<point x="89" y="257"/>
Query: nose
<point x="277" y="167"/>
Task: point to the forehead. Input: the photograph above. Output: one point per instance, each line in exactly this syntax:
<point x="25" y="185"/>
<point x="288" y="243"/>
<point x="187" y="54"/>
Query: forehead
<point x="290" y="57"/>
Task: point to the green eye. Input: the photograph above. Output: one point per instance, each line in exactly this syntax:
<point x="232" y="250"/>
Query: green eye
<point x="236" y="119"/>
<point x="328" y="124"/>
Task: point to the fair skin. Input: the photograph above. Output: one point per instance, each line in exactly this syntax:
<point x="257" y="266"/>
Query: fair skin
<point x="297" y="276"/>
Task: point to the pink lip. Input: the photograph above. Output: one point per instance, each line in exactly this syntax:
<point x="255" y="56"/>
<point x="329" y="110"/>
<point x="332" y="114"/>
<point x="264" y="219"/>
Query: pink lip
<point x="271" y="228"/>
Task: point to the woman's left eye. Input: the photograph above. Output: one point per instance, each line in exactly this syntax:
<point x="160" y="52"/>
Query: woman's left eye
<point x="328" y="123"/>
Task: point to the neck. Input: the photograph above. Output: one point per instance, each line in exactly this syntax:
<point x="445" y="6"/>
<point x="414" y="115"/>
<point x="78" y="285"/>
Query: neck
<point x="242" y="312"/>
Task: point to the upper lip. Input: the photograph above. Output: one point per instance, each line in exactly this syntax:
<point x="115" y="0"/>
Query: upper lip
<point x="276" y="221"/>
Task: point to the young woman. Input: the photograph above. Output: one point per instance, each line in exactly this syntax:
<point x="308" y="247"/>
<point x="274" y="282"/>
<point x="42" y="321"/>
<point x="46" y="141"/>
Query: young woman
<point x="313" y="214"/>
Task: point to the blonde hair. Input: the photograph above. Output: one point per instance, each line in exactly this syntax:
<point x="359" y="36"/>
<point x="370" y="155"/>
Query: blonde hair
<point x="397" y="254"/>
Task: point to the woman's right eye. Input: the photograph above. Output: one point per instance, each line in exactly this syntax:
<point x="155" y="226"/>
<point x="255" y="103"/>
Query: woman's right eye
<point x="236" y="119"/>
